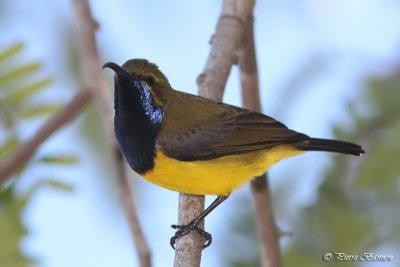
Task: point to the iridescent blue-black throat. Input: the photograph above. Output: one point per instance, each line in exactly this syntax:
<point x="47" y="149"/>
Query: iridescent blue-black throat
<point x="137" y="122"/>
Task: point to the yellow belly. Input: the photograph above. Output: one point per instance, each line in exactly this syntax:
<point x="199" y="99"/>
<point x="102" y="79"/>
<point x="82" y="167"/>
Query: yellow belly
<point x="217" y="176"/>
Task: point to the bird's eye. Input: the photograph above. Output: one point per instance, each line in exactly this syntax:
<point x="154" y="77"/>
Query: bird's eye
<point x="150" y="80"/>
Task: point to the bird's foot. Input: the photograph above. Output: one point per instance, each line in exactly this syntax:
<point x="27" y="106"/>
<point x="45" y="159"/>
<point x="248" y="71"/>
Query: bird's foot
<point x="185" y="229"/>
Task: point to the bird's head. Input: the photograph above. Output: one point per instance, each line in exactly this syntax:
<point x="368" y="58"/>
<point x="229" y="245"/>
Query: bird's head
<point x="140" y="72"/>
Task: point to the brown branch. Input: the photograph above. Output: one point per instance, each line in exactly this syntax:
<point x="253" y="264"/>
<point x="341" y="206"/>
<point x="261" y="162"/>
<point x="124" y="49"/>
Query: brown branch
<point x="225" y="47"/>
<point x="130" y="208"/>
<point x="224" y="50"/>
<point x="27" y="149"/>
<point x="93" y="78"/>
<point x="94" y="83"/>
<point x="188" y="248"/>
<point x="268" y="232"/>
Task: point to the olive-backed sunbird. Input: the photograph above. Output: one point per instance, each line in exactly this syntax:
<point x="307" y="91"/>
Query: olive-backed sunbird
<point x="194" y="145"/>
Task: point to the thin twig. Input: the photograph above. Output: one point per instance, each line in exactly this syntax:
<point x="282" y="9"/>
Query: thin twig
<point x="268" y="233"/>
<point x="93" y="80"/>
<point x="224" y="50"/>
<point x="27" y="149"/>
<point x="188" y="248"/>
<point x="93" y="77"/>
<point x="128" y="202"/>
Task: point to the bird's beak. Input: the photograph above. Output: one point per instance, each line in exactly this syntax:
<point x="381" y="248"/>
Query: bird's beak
<point x="120" y="72"/>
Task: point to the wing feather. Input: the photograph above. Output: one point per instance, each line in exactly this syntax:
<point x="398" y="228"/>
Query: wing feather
<point x="230" y="131"/>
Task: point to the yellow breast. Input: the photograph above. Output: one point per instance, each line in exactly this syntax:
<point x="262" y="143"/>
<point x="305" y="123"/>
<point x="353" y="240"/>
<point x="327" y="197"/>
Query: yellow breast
<point x="217" y="176"/>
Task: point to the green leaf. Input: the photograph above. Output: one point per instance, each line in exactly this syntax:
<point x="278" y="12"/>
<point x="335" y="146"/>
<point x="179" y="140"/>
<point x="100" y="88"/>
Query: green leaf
<point x="6" y="194"/>
<point x="11" y="233"/>
<point x="66" y="159"/>
<point x="39" y="111"/>
<point x="356" y="195"/>
<point x="59" y="185"/>
<point x="19" y="84"/>
<point x="12" y="229"/>
<point x="21" y="71"/>
<point x="27" y="92"/>
<point x="48" y="182"/>
<point x="8" y="146"/>
<point x="11" y="51"/>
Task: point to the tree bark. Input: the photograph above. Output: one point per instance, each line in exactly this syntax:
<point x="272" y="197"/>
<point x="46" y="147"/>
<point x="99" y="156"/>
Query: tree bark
<point x="224" y="53"/>
<point x="28" y="148"/>
<point x="93" y="78"/>
<point x="268" y="234"/>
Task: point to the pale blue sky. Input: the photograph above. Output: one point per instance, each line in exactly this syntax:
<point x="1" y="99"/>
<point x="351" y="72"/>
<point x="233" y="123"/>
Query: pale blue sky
<point x="86" y="228"/>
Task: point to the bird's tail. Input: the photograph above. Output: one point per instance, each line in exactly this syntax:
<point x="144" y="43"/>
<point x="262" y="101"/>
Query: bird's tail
<point x="316" y="144"/>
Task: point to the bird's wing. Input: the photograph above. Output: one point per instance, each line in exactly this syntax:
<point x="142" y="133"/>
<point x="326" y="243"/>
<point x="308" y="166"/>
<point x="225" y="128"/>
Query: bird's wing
<point x="233" y="131"/>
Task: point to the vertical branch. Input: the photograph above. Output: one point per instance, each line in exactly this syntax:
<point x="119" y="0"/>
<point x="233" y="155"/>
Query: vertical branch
<point x="224" y="50"/>
<point x="93" y="79"/>
<point x="268" y="234"/>
<point x="189" y="247"/>
<point x="129" y="205"/>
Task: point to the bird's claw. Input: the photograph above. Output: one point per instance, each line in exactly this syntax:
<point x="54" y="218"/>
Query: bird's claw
<point x="185" y="229"/>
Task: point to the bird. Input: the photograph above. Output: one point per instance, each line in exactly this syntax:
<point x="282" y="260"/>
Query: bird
<point x="193" y="145"/>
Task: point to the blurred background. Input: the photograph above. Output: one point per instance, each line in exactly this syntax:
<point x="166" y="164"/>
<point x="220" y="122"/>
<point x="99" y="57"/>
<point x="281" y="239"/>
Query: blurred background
<point x="327" y="68"/>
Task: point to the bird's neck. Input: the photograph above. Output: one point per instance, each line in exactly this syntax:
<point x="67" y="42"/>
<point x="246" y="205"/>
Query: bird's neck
<point x="137" y="123"/>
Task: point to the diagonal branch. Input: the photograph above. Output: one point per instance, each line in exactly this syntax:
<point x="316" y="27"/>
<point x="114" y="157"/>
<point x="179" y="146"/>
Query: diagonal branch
<point x="268" y="234"/>
<point x="224" y="49"/>
<point x="27" y="149"/>
<point x="93" y="78"/>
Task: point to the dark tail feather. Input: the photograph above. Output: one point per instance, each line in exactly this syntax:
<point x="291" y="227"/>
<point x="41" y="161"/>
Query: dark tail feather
<point x="315" y="144"/>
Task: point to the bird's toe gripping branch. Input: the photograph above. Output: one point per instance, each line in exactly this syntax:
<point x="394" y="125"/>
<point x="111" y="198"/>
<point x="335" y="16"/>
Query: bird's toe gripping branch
<point x="185" y="229"/>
